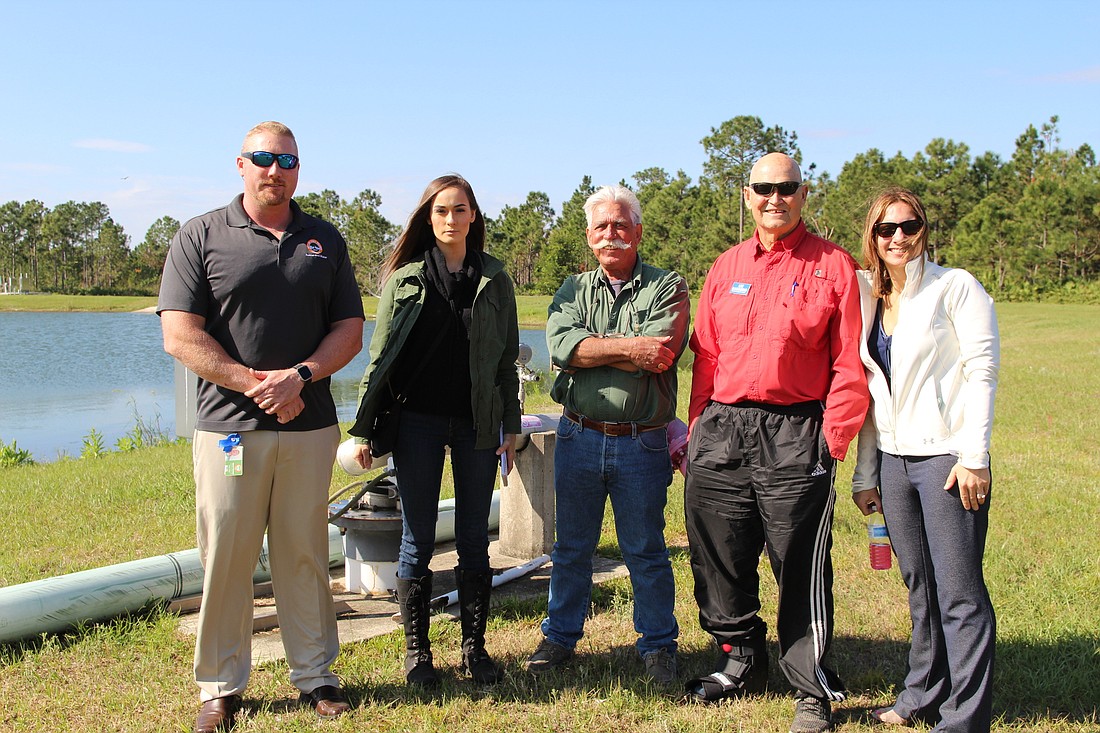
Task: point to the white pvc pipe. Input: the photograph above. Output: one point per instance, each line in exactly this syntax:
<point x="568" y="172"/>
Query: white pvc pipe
<point x="445" y="524"/>
<point x="505" y="576"/>
<point x="59" y="603"/>
<point x="440" y="603"/>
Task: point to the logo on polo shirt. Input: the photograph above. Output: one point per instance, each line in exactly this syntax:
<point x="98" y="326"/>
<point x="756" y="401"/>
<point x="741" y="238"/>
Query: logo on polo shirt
<point x="314" y="249"/>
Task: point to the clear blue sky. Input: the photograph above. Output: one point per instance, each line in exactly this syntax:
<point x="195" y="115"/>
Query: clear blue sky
<point x="143" y="105"/>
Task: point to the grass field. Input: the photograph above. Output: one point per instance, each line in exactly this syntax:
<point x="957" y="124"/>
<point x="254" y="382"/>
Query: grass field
<point x="531" y="308"/>
<point x="1042" y="562"/>
<point x="105" y="303"/>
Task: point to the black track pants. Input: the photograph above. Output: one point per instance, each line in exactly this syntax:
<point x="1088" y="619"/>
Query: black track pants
<point x="761" y="475"/>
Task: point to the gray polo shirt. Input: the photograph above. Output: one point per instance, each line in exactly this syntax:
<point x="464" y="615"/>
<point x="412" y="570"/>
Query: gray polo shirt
<point x="268" y="302"/>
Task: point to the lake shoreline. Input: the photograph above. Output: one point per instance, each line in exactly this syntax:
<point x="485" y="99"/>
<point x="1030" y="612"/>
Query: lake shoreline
<point x="531" y="309"/>
<point x="108" y="373"/>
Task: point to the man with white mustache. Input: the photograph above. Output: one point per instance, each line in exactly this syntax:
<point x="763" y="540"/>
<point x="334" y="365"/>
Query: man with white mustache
<point x="615" y="334"/>
<point x="614" y="244"/>
<point x="778" y="391"/>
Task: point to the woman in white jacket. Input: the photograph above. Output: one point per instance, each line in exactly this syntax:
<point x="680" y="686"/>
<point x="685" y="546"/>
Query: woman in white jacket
<point x="931" y="350"/>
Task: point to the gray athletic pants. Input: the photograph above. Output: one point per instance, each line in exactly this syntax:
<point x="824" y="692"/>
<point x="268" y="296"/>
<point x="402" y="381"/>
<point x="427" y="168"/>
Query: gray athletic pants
<point x="939" y="546"/>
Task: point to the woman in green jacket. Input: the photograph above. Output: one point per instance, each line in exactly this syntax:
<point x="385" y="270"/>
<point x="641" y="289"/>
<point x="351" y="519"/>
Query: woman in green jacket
<point x="446" y="340"/>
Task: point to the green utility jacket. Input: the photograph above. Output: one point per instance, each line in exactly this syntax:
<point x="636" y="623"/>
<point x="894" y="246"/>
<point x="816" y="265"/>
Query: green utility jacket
<point x="654" y="302"/>
<point x="494" y="347"/>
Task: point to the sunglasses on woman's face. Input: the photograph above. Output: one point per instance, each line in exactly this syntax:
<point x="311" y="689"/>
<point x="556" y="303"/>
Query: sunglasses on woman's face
<point x="264" y="159"/>
<point x="886" y="229"/>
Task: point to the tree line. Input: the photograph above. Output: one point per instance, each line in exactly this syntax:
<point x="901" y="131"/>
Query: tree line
<point x="1028" y="227"/>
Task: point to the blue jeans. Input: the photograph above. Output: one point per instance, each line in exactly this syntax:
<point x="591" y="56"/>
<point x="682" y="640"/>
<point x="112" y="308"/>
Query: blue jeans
<point x="418" y="458"/>
<point x="635" y="472"/>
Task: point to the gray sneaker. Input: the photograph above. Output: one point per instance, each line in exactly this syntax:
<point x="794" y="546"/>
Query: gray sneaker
<point x="811" y="715"/>
<point x="549" y="656"/>
<point x="661" y="666"/>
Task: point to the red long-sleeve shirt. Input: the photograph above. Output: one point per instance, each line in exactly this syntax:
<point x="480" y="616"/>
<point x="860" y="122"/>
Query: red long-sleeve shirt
<point x="782" y="327"/>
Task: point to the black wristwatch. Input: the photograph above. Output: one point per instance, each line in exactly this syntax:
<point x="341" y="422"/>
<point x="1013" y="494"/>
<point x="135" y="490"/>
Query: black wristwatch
<point x="304" y="372"/>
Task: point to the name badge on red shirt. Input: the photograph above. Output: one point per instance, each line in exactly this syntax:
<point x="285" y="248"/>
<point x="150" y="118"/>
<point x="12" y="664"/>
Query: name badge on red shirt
<point x="740" y="288"/>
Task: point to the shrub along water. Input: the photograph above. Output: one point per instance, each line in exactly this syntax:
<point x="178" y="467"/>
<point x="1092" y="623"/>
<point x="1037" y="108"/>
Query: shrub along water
<point x="13" y="455"/>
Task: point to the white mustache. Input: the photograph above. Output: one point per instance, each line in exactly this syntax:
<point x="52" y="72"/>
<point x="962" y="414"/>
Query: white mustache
<point x="613" y="244"/>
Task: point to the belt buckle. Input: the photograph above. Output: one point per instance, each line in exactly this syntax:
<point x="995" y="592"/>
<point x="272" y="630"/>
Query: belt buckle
<point x="619" y="429"/>
<point x="614" y="429"/>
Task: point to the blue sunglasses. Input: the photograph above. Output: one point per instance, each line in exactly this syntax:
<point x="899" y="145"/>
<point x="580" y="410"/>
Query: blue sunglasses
<point x="264" y="159"/>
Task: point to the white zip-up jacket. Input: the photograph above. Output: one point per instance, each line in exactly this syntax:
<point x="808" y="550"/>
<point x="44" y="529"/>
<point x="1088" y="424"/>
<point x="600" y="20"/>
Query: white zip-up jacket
<point x="944" y="359"/>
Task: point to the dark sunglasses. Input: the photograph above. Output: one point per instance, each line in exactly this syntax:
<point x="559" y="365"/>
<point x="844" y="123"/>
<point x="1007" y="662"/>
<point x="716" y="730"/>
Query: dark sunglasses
<point x="787" y="188"/>
<point x="263" y="159"/>
<point x="886" y="229"/>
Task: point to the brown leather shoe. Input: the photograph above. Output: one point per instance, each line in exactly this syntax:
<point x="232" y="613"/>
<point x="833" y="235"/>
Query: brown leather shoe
<point x="216" y="716"/>
<point x="327" y="701"/>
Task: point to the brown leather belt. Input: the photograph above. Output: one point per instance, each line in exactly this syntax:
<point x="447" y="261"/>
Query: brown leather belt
<point x="614" y="429"/>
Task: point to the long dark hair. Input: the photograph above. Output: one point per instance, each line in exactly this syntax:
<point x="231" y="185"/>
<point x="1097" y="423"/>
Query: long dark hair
<point x="417" y="236"/>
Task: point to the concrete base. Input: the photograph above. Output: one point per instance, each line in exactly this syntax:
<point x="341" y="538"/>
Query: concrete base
<point x="370" y="578"/>
<point x="527" y="502"/>
<point x="360" y="617"/>
<point x="364" y="606"/>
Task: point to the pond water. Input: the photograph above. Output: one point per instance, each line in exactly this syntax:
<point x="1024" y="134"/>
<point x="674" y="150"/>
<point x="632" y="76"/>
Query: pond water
<point x="64" y="374"/>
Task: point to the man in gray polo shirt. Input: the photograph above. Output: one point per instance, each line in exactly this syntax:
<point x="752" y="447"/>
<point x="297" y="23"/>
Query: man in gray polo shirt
<point x="259" y="300"/>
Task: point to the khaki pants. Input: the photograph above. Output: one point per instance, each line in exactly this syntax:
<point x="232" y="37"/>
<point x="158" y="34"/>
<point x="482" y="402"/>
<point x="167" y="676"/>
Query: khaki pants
<point x="284" y="489"/>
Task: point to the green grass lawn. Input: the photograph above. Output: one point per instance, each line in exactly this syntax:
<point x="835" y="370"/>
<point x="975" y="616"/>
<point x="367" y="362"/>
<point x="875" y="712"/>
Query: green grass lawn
<point x="104" y="303"/>
<point x="531" y="308"/>
<point x="1041" y="561"/>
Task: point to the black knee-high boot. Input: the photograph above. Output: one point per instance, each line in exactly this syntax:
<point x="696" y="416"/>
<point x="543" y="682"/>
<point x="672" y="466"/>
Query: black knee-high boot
<point x="474" y="588"/>
<point x="414" y="597"/>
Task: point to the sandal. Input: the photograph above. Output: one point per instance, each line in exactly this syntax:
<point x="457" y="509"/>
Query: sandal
<point x="713" y="688"/>
<point x="880" y="715"/>
<point x="738" y="676"/>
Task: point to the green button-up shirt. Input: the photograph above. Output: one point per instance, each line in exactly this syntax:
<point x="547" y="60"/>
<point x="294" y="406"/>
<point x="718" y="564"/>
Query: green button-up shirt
<point x="654" y="302"/>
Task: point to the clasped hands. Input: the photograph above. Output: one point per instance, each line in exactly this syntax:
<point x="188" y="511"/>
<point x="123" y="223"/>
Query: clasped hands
<point x="278" y="392"/>
<point x="651" y="353"/>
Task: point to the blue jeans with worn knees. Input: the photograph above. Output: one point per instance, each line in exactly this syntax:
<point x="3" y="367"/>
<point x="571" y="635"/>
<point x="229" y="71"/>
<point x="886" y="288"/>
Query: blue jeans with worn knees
<point x="635" y="472"/>
<point x="418" y="458"/>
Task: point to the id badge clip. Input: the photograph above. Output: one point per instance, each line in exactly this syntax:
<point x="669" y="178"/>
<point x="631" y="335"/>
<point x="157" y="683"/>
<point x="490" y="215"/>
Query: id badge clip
<point x="234" y="454"/>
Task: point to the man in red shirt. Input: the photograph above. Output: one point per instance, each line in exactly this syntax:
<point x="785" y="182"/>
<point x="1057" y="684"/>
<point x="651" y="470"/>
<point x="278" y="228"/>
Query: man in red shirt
<point x="778" y="391"/>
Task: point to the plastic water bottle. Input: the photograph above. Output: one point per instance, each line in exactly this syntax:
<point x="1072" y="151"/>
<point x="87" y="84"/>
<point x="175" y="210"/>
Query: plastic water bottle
<point x="880" y="542"/>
